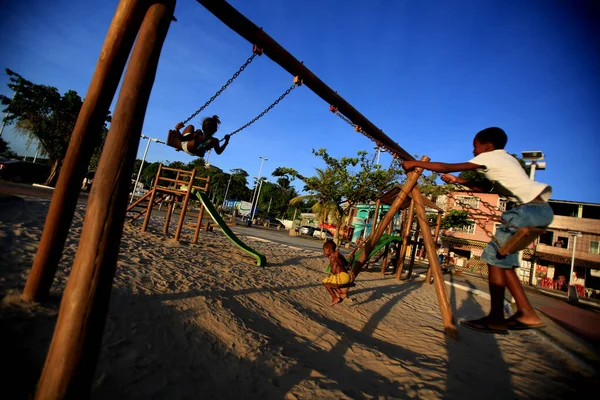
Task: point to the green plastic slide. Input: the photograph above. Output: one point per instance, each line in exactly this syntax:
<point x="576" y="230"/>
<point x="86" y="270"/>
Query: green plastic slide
<point x="383" y="241"/>
<point x="261" y="260"/>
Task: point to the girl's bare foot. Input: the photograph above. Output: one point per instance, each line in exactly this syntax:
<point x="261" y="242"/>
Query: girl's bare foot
<point x="335" y="301"/>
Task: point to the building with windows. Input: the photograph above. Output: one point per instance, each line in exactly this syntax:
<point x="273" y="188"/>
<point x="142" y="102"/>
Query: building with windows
<point x="548" y="260"/>
<point x="552" y="255"/>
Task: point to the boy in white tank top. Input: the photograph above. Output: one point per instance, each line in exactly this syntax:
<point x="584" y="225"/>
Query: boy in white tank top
<point x="510" y="180"/>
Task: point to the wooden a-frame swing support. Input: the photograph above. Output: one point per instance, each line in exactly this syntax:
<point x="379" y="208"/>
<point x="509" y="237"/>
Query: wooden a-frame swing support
<point x="71" y="360"/>
<point x="185" y="179"/>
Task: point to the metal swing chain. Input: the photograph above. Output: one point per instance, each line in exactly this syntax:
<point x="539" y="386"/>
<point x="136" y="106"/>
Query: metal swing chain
<point x="357" y="128"/>
<point x="472" y="211"/>
<point x="347" y="120"/>
<point x="235" y="75"/>
<point x="266" y="110"/>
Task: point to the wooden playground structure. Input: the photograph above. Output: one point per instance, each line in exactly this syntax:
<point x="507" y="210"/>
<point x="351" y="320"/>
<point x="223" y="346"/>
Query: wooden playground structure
<point x="73" y="352"/>
<point x="179" y="187"/>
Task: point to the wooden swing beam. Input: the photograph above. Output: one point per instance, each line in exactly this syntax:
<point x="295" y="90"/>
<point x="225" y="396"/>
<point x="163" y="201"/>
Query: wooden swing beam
<point x="256" y="36"/>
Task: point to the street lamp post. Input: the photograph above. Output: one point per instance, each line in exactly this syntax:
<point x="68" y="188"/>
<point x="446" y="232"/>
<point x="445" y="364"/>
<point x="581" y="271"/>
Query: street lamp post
<point x="379" y="151"/>
<point x="137" y="179"/>
<point x="253" y="210"/>
<point x="227" y="190"/>
<point x="263" y="159"/>
<point x="535" y="159"/>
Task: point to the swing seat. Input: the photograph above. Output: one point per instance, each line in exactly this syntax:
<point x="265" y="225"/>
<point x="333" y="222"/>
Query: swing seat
<point x="172" y="137"/>
<point x="521" y="240"/>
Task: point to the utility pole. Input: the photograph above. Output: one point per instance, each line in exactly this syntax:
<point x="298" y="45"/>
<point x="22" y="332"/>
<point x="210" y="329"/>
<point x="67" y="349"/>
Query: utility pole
<point x="142" y="164"/>
<point x="227" y="190"/>
<point x="258" y="177"/>
<point x="253" y="210"/>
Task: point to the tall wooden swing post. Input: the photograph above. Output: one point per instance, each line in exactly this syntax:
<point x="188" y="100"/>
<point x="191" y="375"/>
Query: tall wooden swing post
<point x="387" y="219"/>
<point x="434" y="265"/>
<point x="413" y="252"/>
<point x="387" y="249"/>
<point x="375" y="217"/>
<point x="405" y="236"/>
<point x="71" y="361"/>
<point x="436" y="234"/>
<point x="109" y="69"/>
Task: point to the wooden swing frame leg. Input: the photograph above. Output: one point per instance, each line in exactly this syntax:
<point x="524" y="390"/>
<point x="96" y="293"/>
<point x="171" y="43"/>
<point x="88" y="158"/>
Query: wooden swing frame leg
<point x="434" y="265"/>
<point x="109" y="69"/>
<point x="69" y="369"/>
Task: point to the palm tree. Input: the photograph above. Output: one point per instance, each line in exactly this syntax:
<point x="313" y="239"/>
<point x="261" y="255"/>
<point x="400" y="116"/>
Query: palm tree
<point x="324" y="189"/>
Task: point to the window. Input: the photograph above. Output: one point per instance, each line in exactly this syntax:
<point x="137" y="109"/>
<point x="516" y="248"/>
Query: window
<point x="594" y="247"/>
<point x="502" y="204"/>
<point x="468" y="201"/>
<point x="466" y="229"/>
<point x="547" y="238"/>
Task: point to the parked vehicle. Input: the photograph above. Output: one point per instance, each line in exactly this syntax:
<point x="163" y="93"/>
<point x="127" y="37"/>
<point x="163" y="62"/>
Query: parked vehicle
<point x="306" y="230"/>
<point x="23" y="171"/>
<point x="322" y="235"/>
<point x="272" y="222"/>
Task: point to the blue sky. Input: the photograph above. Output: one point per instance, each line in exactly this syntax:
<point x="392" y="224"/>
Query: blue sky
<point x="429" y="73"/>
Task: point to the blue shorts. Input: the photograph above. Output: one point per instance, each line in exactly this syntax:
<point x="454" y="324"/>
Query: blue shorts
<point x="536" y="213"/>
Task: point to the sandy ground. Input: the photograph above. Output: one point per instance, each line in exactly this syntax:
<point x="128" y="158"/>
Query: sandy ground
<point x="203" y="321"/>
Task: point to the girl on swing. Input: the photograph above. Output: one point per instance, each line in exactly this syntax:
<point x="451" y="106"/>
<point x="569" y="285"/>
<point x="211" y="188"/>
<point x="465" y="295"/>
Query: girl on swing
<point x="196" y="142"/>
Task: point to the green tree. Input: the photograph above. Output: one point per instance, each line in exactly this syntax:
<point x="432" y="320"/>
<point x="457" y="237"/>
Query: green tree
<point x="40" y="111"/>
<point x="480" y="179"/>
<point x="344" y="183"/>
<point x="5" y="150"/>
<point x="456" y="219"/>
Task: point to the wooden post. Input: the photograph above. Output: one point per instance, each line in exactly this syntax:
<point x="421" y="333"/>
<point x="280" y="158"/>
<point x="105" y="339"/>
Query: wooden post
<point x="151" y="201"/>
<point x="71" y="361"/>
<point x="434" y="265"/>
<point x="411" y="181"/>
<point x="387" y="249"/>
<point x="170" y="209"/>
<point x="199" y="224"/>
<point x="375" y="217"/>
<point x="438" y="224"/>
<point x="405" y="236"/>
<point x="186" y="199"/>
<point x="109" y="69"/>
<point x="413" y="252"/>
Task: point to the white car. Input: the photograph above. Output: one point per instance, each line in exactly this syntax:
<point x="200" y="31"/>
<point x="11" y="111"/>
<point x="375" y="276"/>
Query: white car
<point x="322" y="235"/>
<point x="306" y="230"/>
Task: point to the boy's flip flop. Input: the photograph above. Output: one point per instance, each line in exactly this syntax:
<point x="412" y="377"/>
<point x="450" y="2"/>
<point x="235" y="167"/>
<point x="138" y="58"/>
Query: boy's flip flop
<point x="481" y="326"/>
<point x="516" y="325"/>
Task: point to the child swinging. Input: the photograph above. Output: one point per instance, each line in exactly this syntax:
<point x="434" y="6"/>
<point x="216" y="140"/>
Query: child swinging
<point x="196" y="142"/>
